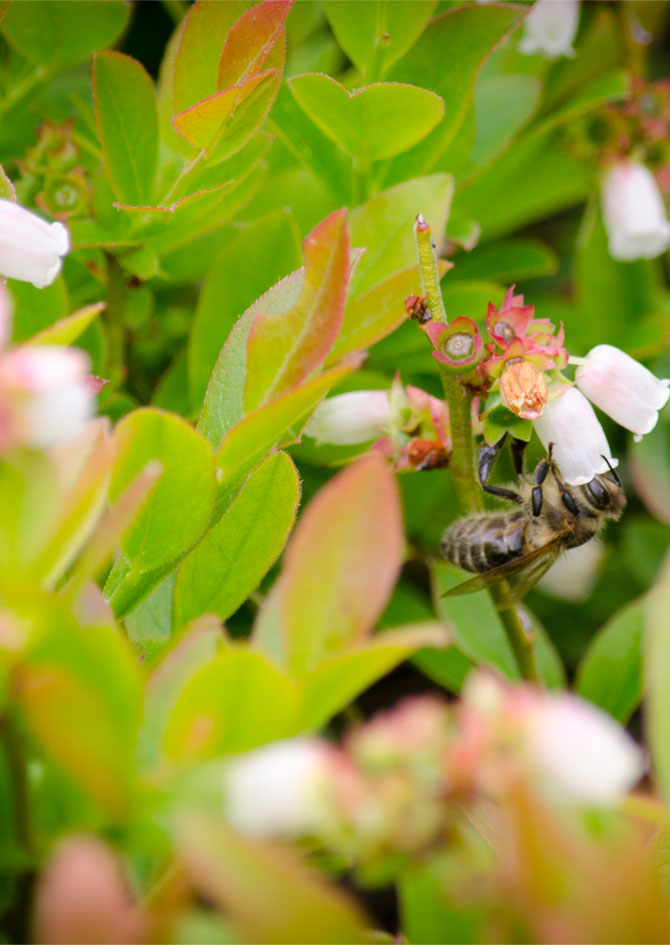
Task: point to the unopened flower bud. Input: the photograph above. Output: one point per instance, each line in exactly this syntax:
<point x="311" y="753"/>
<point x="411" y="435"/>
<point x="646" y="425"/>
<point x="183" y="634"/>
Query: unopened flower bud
<point x="523" y="390"/>
<point x="355" y="417"/>
<point x="31" y="249"/>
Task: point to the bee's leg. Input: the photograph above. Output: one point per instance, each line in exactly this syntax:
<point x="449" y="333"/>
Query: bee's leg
<point x="540" y="475"/>
<point x="518" y="448"/>
<point x="487" y="458"/>
<point x="566" y="497"/>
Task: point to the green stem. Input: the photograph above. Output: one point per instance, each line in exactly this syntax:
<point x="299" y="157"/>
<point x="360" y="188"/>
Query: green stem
<point x="114" y="317"/>
<point x="430" y="276"/>
<point x="462" y="465"/>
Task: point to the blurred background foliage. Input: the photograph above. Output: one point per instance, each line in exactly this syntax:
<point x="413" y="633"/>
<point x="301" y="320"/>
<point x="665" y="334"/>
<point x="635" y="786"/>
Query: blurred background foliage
<point x="179" y="245"/>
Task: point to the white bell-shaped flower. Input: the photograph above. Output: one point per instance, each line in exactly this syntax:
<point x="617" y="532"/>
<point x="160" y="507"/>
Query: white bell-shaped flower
<point x="280" y="789"/>
<point x="580" y="447"/>
<point x="634" y="213"/>
<point x="31" y="249"/>
<point x="583" y="754"/>
<point x="622" y="388"/>
<point x="550" y="28"/>
<point x="355" y="417"/>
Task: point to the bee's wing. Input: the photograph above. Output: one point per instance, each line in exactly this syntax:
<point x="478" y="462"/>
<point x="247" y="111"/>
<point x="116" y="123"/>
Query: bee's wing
<point x="528" y="569"/>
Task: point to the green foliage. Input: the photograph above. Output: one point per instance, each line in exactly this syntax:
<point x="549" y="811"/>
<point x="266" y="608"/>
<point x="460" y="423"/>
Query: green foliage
<point x="243" y="246"/>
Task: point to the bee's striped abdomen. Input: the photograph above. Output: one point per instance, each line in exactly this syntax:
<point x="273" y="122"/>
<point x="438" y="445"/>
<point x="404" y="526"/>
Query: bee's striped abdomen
<point x="483" y="542"/>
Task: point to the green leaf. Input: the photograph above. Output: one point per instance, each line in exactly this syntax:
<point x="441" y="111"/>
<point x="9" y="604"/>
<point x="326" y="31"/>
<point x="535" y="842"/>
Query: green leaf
<point x="268" y="892"/>
<point x="341" y="563"/>
<point x="610" y="673"/>
<point x="180" y="506"/>
<point x="277" y="423"/>
<point x="127" y="118"/>
<point x="650" y="470"/>
<point x="376" y="34"/>
<point x="84" y="473"/>
<point x="230" y="561"/>
<point x="79" y="696"/>
<point x="7" y="191"/>
<point x="656" y="675"/>
<point x="68" y="329"/>
<point x="477" y="630"/>
<point x="37" y="309"/>
<point x="503" y="105"/>
<point x="272" y="242"/>
<point x="251" y="41"/>
<point x="194" y="651"/>
<point x="384" y="227"/>
<point x="446" y="59"/>
<point x="238" y="701"/>
<point x="499" y="420"/>
<point x="505" y="260"/>
<point x="201" y="38"/>
<point x="343" y="675"/>
<point x="204" y="124"/>
<point x="282" y="350"/>
<point x="43" y="30"/>
<point x="447" y="666"/>
<point x="370" y="124"/>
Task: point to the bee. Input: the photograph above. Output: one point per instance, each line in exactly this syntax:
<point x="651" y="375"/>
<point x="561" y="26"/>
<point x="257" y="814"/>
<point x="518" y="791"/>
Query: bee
<point x="523" y="543"/>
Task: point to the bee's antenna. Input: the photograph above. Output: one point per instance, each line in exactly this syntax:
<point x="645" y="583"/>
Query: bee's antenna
<point x="611" y="469"/>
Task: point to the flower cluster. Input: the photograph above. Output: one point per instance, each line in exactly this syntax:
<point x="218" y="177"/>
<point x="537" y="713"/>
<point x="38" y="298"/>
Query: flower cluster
<point x="407" y="424"/>
<point x="404" y="777"/>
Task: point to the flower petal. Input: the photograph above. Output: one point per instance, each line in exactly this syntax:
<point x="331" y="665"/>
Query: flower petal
<point x="579" y="443"/>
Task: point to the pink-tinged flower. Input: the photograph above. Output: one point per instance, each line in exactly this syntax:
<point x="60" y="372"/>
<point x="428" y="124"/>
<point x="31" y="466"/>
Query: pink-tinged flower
<point x="281" y="789"/>
<point x="30" y="248"/>
<point x="580" y="446"/>
<point x="583" y="754"/>
<point x="512" y="320"/>
<point x="572" y="751"/>
<point x="355" y="417"/>
<point x="458" y="344"/>
<point x="550" y="28"/>
<point x="46" y="393"/>
<point x="622" y="388"/>
<point x="634" y="213"/>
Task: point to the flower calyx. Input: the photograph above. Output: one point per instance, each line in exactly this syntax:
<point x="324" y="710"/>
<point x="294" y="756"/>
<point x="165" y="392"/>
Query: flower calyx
<point x="458" y="345"/>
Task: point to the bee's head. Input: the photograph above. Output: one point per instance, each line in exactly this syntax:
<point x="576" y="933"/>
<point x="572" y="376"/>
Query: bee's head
<point x="604" y="492"/>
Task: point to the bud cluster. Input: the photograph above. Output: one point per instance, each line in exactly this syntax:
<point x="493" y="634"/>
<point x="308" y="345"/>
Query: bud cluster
<point x="402" y="781"/>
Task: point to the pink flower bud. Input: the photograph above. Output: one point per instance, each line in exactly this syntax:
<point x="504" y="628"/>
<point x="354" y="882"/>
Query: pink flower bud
<point x="355" y="417"/>
<point x="44" y="395"/>
<point x="580" y="446"/>
<point x="82" y="897"/>
<point x="30" y="248"/>
<point x="634" y="213"/>
<point x="622" y="388"/>
<point x="550" y="28"/>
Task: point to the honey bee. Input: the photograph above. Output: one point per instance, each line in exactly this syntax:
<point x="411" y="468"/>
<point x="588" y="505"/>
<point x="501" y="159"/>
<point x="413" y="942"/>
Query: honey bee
<point x="522" y="544"/>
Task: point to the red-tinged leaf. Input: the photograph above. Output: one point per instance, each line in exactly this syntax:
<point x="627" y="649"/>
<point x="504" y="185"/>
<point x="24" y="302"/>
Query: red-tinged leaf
<point x="202" y="124"/>
<point x="341" y="564"/>
<point x="251" y="40"/>
<point x="268" y="892"/>
<point x="376" y="313"/>
<point x="127" y="116"/>
<point x="284" y="349"/>
<point x="274" y="424"/>
<point x="196" y="67"/>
